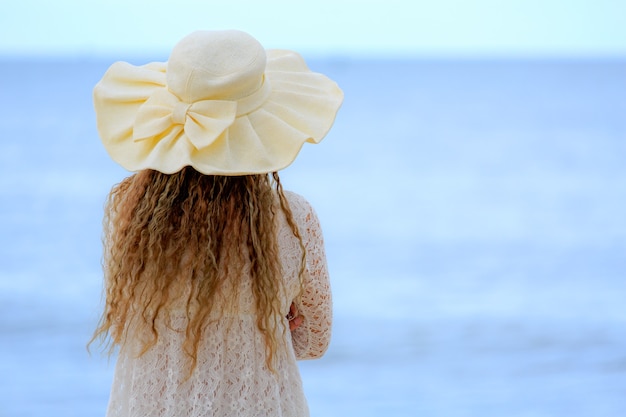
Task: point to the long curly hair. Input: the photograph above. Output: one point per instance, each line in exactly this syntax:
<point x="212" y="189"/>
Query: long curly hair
<point x="187" y="233"/>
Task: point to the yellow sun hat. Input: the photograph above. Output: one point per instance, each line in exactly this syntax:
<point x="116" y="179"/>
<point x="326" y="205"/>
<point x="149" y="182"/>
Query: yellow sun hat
<point x="221" y="104"/>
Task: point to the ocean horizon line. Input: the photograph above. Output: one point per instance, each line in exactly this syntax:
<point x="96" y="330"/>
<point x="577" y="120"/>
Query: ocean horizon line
<point x="334" y="56"/>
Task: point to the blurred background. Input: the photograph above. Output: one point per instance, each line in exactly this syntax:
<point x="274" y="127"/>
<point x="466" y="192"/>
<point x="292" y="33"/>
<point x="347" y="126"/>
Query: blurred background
<point x="472" y="194"/>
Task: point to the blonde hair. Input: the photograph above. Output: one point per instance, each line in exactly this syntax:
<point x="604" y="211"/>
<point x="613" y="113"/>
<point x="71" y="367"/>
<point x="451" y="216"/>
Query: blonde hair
<point x="187" y="230"/>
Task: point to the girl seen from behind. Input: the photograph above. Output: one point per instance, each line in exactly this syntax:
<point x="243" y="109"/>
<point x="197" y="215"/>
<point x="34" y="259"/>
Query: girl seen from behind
<point x="215" y="277"/>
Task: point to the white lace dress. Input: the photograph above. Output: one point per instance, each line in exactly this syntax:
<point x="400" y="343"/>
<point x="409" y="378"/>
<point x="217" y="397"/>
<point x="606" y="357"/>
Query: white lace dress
<point x="231" y="378"/>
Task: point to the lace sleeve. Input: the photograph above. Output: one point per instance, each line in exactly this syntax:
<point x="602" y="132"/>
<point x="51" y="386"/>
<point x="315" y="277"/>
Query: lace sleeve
<point x="312" y="338"/>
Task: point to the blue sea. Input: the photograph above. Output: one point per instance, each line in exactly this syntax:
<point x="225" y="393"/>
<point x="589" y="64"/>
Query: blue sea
<point x="474" y="216"/>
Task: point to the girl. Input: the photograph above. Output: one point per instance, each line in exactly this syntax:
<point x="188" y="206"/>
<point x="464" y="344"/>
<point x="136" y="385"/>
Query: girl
<point x="215" y="277"/>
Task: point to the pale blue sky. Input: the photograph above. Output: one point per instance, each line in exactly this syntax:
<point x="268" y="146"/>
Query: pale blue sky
<point x="355" y="27"/>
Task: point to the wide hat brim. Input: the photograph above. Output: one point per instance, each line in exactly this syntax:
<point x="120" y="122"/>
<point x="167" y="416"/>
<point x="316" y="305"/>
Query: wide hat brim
<point x="299" y="106"/>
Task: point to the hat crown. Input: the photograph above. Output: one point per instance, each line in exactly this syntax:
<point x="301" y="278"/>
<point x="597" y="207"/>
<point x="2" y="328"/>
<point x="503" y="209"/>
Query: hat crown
<point x="216" y="65"/>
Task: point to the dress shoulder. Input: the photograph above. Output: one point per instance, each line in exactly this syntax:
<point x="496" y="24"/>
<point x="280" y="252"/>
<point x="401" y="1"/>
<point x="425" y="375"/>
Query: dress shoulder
<point x="297" y="202"/>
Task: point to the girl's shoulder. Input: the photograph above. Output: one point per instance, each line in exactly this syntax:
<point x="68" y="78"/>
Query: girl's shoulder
<point x="300" y="206"/>
<point x="296" y="199"/>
